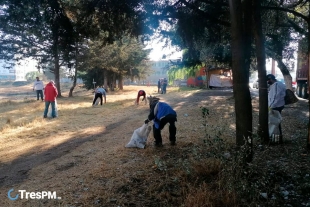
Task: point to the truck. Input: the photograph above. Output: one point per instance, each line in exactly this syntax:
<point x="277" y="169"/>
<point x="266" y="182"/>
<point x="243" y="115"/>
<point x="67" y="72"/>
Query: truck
<point x="302" y="71"/>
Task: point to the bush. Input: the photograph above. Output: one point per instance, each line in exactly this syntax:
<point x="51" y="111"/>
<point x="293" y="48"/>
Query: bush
<point x="20" y="83"/>
<point x="31" y="76"/>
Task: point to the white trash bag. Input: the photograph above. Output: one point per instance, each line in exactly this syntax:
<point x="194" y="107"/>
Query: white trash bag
<point x="274" y="120"/>
<point x="139" y="137"/>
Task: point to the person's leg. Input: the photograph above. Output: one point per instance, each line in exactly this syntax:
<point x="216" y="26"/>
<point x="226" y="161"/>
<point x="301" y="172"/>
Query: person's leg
<point x="41" y="94"/>
<point x="53" y="109"/>
<point x="172" y="132"/>
<point x="95" y="99"/>
<point x="144" y="99"/>
<point x="100" y="96"/>
<point x="37" y="94"/>
<point x="157" y="136"/>
<point x="279" y="109"/>
<point x="171" y="119"/>
<point x="47" y="104"/>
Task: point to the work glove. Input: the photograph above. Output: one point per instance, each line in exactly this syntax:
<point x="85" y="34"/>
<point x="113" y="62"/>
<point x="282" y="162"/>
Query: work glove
<point x="146" y="121"/>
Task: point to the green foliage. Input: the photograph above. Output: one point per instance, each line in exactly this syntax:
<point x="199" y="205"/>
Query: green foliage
<point x="160" y="164"/>
<point x="31" y="76"/>
<point x="179" y="71"/>
<point x="89" y="76"/>
<point x="126" y="57"/>
<point x="44" y="30"/>
<point x="205" y="112"/>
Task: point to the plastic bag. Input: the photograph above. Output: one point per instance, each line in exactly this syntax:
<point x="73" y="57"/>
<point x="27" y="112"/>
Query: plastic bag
<point x="139" y="137"/>
<point x="274" y="120"/>
<point x="49" y="114"/>
<point x="97" y="101"/>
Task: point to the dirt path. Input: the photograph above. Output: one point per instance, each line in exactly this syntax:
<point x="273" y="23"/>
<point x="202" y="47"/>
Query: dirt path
<point x="109" y="137"/>
<point x="77" y="167"/>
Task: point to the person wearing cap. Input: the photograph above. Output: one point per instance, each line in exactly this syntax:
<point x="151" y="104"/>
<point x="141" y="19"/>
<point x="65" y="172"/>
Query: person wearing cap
<point x="162" y="113"/>
<point x="143" y="94"/>
<point x="276" y="96"/>
<point x="99" y="92"/>
<point x="39" y="87"/>
<point x="50" y="94"/>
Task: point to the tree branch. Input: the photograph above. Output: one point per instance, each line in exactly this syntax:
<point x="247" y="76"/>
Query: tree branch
<point x="297" y="14"/>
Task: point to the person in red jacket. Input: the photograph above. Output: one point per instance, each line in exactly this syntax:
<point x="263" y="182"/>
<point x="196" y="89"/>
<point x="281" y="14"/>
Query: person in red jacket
<point x="50" y="94"/>
<point x="143" y="94"/>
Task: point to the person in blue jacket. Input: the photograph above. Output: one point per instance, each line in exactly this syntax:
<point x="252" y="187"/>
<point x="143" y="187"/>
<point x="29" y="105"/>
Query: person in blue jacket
<point x="162" y="113"/>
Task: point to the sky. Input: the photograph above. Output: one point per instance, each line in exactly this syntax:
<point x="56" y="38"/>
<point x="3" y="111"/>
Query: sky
<point x="158" y="51"/>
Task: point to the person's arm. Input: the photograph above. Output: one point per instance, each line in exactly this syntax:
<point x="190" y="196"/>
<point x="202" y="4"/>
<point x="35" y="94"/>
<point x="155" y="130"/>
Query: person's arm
<point x="152" y="112"/>
<point x="137" y="100"/>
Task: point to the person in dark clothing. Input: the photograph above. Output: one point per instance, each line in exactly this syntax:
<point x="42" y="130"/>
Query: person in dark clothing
<point x="162" y="113"/>
<point x="159" y="85"/>
<point x="143" y="94"/>
<point x="99" y="93"/>
<point x="164" y="86"/>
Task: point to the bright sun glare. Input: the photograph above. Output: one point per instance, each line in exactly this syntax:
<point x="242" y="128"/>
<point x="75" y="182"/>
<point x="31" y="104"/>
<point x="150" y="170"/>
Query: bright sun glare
<point x="158" y="51"/>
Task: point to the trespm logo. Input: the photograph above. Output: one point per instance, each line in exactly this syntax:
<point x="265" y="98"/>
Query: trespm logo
<point x="32" y="195"/>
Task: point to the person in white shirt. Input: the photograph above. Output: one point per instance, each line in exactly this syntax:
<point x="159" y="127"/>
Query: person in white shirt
<point x="39" y="87"/>
<point x="276" y="96"/>
<point x="99" y="92"/>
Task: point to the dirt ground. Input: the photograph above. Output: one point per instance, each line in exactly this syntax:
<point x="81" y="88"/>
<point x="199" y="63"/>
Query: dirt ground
<point x="81" y="154"/>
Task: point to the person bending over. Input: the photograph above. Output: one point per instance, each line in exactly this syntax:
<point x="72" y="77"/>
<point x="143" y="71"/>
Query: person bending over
<point x="162" y="113"/>
<point x="143" y="94"/>
<point x="99" y="92"/>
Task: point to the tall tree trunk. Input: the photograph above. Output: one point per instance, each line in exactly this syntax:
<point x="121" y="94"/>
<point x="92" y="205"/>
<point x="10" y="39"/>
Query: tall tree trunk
<point x="263" y="132"/>
<point x="55" y="31"/>
<point x="308" y="138"/>
<point x="273" y="66"/>
<point x="113" y="81"/>
<point x="75" y="70"/>
<point x="120" y="82"/>
<point x="285" y="72"/>
<point x="243" y="106"/>
<point x="56" y="73"/>
<point x="105" y="78"/>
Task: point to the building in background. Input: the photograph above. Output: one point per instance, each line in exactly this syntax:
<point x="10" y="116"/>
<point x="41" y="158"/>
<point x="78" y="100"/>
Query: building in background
<point x="159" y="70"/>
<point x="6" y="74"/>
<point x="18" y="71"/>
<point x="23" y="67"/>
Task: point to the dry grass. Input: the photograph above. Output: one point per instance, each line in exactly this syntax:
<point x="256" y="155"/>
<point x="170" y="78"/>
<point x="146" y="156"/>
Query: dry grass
<point x="81" y="154"/>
